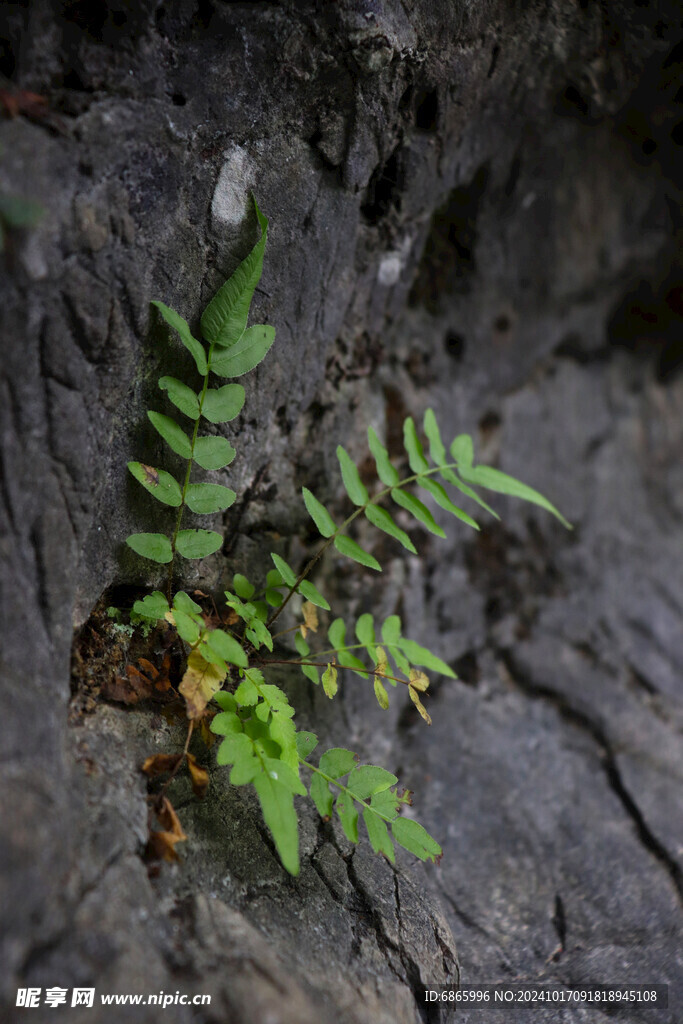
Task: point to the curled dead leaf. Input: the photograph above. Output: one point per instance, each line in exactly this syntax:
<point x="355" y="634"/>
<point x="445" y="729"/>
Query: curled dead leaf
<point x="198" y="775"/>
<point x="161" y="844"/>
<point x="160" y="764"/>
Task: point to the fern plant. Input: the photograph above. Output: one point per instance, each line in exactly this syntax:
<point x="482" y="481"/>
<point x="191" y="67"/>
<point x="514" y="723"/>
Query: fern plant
<point x="233" y="669"/>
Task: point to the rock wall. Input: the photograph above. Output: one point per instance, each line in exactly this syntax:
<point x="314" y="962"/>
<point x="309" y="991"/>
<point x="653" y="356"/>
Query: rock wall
<point x="474" y="206"/>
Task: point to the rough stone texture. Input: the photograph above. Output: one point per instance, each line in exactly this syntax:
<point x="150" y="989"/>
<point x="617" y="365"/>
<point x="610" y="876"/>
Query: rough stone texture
<point x="474" y="206"/>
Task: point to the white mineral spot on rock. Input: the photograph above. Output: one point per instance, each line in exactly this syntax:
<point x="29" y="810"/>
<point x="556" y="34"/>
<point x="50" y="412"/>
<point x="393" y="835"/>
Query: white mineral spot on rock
<point x="229" y="203"/>
<point x="390" y="269"/>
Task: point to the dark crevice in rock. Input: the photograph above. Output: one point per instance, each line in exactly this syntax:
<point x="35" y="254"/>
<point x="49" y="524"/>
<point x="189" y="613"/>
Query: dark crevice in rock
<point x="384" y="190"/>
<point x="427" y="110"/>
<point x="559" y="920"/>
<point x="448" y="259"/>
<point x="591" y="728"/>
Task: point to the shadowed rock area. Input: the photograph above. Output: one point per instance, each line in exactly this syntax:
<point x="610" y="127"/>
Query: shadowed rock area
<point x="475" y="206"/>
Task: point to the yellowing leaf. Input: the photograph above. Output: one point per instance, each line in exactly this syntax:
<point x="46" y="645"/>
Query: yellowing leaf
<point x="330" y="681"/>
<point x="381" y="695"/>
<point x="415" y="697"/>
<point x="200" y="682"/>
<point x="382" y="663"/>
<point x="418" y="680"/>
<point x="310" y="614"/>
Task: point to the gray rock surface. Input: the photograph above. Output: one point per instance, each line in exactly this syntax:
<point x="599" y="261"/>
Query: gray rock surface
<point x="474" y="207"/>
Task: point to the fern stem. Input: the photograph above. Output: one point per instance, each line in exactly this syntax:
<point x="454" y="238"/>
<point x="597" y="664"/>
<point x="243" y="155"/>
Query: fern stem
<point x="347" y="522"/>
<point x="186" y="482"/>
<point x="350" y="792"/>
<point x="335" y="664"/>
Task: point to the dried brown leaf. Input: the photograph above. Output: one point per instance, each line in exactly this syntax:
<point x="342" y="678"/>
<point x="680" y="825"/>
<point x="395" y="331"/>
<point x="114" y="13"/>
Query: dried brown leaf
<point x="159" y="764"/>
<point x="198" y="775"/>
<point x="161" y="844"/>
<point x="310" y="614"/>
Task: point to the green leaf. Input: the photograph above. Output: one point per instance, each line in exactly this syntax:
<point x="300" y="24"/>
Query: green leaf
<point x="225" y="700"/>
<point x="283" y="731"/>
<point x="355" y="488"/>
<point x="385" y="471"/>
<point x="464" y="489"/>
<point x="227" y="647"/>
<point x="198" y="543"/>
<point x="207" y="498"/>
<point x="246" y="693"/>
<point x="413" y="446"/>
<point x="337" y="762"/>
<point x="367" y="779"/>
<point x="462" y="451"/>
<point x="418" y="655"/>
<point x="301" y="645"/>
<point x="281" y="772"/>
<point x="225" y="317"/>
<point x="391" y="635"/>
<point x="386" y="802"/>
<point x="185" y="603"/>
<point x="188" y="630"/>
<point x="242" y="586"/>
<point x="348" y="815"/>
<point x="414" y="838"/>
<point x="321" y="795"/>
<point x="312" y="594"/>
<point x="245" y="771"/>
<point x="223" y="404"/>
<point x="380" y="518"/>
<point x="337" y="633"/>
<point x="417" y="509"/>
<point x="348" y="547"/>
<point x="154" y="546"/>
<point x="319" y="514"/>
<point x="194" y="347"/>
<point x="330" y="681"/>
<point x="279" y="815"/>
<point x="158" y="482"/>
<point x="225" y="723"/>
<point x="213" y="452"/>
<point x="286" y="572"/>
<point x="235" y="748"/>
<point x="311" y="673"/>
<point x="306" y="742"/>
<point x="251" y="349"/>
<point x="365" y="630"/>
<point x="153" y="606"/>
<point x="348" y="660"/>
<point x="182" y="397"/>
<point x="442" y="499"/>
<point x="378" y="834"/>
<point x="494" y="480"/>
<point x="272" y="695"/>
<point x="174" y="436"/>
<point x="437" y="449"/>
